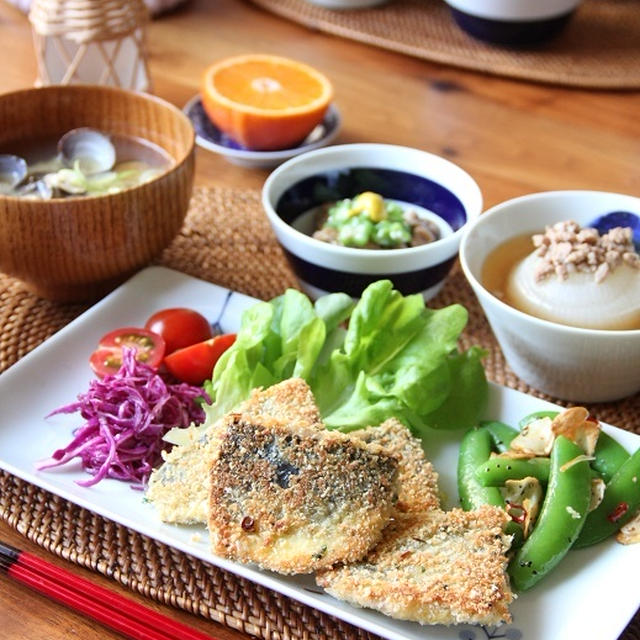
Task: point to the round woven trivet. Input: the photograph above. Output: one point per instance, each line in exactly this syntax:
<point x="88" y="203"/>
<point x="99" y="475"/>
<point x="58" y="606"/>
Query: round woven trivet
<point x="227" y="240"/>
<point x="599" y="49"/>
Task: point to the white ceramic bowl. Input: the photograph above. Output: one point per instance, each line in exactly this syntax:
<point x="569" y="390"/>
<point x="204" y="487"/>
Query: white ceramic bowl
<point x="583" y="365"/>
<point x="400" y="173"/>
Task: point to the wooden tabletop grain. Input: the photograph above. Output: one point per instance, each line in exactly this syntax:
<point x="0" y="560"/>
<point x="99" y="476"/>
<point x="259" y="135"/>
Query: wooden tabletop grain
<point x="514" y="137"/>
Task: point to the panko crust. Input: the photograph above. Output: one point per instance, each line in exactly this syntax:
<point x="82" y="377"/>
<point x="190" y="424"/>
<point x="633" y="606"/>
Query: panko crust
<point x="437" y="567"/>
<point x="290" y="401"/>
<point x="417" y="479"/>
<point x="295" y="500"/>
<point x="179" y="489"/>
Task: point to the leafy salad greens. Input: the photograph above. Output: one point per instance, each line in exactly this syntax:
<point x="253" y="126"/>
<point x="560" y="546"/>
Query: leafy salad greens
<point x="397" y="358"/>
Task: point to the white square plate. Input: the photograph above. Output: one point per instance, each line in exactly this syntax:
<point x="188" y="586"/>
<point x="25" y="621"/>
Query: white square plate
<point x="592" y="595"/>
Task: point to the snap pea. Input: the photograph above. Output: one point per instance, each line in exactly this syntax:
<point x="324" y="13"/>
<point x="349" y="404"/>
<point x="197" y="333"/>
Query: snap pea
<point x="610" y="455"/>
<point x="620" y="502"/>
<point x="501" y="434"/>
<point x="536" y="415"/>
<point x="494" y="472"/>
<point x="474" y="449"/>
<point x="561" y="519"/>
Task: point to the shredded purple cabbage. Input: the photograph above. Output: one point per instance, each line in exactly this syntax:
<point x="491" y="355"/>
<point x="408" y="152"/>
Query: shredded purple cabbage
<point x="126" y="415"/>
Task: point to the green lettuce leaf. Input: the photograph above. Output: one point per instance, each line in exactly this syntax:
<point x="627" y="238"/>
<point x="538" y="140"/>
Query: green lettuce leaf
<point x="396" y="358"/>
<point x="469" y="392"/>
<point x="365" y="406"/>
<point x="381" y="324"/>
<point x="241" y="368"/>
<point x="334" y="309"/>
<point x="302" y="334"/>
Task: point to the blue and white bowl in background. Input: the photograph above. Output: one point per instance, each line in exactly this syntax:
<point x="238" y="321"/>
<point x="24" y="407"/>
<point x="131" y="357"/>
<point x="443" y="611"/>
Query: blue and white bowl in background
<point x="513" y="22"/>
<point x="436" y="188"/>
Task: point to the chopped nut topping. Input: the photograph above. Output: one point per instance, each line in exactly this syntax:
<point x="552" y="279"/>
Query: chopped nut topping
<point x="566" y="248"/>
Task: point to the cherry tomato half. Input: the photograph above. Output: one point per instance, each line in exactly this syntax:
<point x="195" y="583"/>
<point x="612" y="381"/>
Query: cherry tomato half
<point x="179" y="327"/>
<point x="107" y="358"/>
<point x="195" y="364"/>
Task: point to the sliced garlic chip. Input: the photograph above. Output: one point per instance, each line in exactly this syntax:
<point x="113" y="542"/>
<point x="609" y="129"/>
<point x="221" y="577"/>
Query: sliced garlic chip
<point x="574" y="424"/>
<point x="598" y="485"/>
<point x="535" y="440"/>
<point x="523" y="499"/>
<point x="630" y="533"/>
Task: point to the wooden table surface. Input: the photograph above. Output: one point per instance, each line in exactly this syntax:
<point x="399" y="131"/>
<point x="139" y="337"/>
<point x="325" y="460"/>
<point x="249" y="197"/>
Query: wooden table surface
<point x="512" y="136"/>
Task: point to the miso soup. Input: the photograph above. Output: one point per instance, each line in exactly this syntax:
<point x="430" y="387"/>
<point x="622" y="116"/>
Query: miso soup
<point x="84" y="162"/>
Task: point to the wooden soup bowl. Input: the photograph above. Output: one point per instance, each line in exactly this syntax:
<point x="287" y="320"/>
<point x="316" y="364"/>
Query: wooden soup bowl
<point x="79" y="248"/>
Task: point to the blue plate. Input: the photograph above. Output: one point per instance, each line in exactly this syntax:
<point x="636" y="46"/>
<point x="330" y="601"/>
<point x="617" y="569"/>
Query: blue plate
<point x="208" y="136"/>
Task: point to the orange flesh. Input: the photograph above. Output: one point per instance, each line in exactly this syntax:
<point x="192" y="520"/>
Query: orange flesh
<point x="265" y="102"/>
<point x="267" y="85"/>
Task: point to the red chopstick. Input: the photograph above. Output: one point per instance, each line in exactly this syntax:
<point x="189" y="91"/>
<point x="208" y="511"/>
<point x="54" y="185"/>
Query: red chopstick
<point x="111" y="609"/>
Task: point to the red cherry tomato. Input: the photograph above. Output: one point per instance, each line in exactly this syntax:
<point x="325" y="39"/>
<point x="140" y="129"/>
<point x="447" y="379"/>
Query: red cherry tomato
<point x="107" y="358"/>
<point x="179" y="327"/>
<point x="195" y="364"/>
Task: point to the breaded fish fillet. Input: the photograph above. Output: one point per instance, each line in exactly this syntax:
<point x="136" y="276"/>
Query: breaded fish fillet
<point x="295" y="500"/>
<point x="417" y="479"/>
<point x="437" y="567"/>
<point x="290" y="401"/>
<point x="179" y="489"/>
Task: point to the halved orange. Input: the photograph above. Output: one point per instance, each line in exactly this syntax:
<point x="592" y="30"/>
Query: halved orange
<point x="265" y="102"/>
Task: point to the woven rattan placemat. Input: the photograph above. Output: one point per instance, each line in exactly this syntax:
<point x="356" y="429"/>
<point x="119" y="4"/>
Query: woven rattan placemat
<point x="227" y="240"/>
<point x="599" y="49"/>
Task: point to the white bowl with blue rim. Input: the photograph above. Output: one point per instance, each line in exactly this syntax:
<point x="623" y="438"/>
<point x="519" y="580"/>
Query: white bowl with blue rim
<point x="513" y="22"/>
<point x="209" y="137"/>
<point x="434" y="186"/>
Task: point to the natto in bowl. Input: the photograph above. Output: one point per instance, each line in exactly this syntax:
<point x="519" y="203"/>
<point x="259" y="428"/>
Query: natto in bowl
<point x="410" y="176"/>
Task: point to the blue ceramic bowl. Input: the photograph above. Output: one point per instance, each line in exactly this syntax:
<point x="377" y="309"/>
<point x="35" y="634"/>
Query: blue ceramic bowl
<point x="437" y="188"/>
<point x="513" y="22"/>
